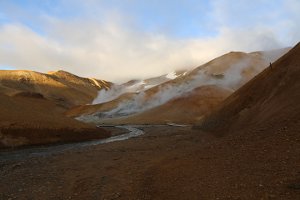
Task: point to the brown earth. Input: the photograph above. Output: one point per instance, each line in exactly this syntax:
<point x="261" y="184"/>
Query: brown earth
<point x="270" y="100"/>
<point x="254" y="160"/>
<point x="63" y="88"/>
<point x="103" y="107"/>
<point x="107" y="106"/>
<point x="35" y="120"/>
<point x="252" y="63"/>
<point x="165" y="163"/>
<point x="186" y="109"/>
<point x="258" y="159"/>
<point x="32" y="107"/>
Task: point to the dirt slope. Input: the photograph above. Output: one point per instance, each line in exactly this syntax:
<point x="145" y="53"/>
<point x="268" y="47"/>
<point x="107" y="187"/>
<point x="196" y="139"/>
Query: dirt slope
<point x="134" y="86"/>
<point x="63" y="88"/>
<point x="270" y="100"/>
<point x="244" y="66"/>
<point x="32" y="120"/>
<point x="228" y="71"/>
<point x="257" y="153"/>
<point x="32" y="106"/>
<point x="185" y="109"/>
<point x="103" y="107"/>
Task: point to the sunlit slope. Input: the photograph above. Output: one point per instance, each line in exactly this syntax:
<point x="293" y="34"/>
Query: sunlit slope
<point x="229" y="72"/>
<point x="185" y="109"/>
<point x="63" y="88"/>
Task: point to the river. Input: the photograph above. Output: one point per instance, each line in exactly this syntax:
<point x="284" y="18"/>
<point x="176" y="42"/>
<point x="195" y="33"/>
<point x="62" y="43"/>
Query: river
<point x="41" y="151"/>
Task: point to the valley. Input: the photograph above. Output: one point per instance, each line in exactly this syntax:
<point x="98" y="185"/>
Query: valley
<point x="149" y="100"/>
<point x="198" y="134"/>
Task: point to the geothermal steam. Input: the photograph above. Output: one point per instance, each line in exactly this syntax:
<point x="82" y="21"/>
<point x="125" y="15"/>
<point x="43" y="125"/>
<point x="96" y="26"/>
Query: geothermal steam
<point x="230" y="79"/>
<point x="135" y="86"/>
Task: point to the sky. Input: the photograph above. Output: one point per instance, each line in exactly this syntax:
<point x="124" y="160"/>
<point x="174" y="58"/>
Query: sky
<point x="119" y="40"/>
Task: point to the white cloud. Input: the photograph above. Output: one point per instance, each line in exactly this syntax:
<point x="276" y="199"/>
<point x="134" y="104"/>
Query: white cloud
<point x="115" y="49"/>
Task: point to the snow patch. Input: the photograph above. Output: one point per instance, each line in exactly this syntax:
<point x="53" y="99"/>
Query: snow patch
<point x="171" y="75"/>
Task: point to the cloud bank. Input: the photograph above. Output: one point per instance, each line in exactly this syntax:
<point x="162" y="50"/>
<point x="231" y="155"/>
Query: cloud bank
<point x="113" y="41"/>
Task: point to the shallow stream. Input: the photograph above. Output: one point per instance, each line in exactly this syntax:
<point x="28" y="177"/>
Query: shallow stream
<point x="41" y="151"/>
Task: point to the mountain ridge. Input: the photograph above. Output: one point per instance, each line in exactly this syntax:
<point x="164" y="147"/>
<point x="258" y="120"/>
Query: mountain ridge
<point x="63" y="88"/>
<point x="228" y="71"/>
<point x="265" y="93"/>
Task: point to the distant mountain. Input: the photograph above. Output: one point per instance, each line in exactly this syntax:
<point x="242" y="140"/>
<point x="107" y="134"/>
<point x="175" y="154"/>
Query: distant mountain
<point x="188" y="108"/>
<point x="134" y="86"/>
<point x="61" y="87"/>
<point x="227" y="72"/>
<point x="32" y="106"/>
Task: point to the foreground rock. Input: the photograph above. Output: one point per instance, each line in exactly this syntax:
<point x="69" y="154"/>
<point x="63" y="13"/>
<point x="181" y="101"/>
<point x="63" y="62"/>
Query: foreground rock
<point x="164" y="163"/>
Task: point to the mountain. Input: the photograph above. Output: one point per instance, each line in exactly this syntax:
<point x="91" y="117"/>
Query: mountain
<point x="32" y="106"/>
<point x="188" y="108"/>
<point x="124" y="93"/>
<point x="36" y="120"/>
<point x="228" y="72"/>
<point x="268" y="102"/>
<point x="63" y="88"/>
<point x="255" y="154"/>
<point x="231" y="70"/>
<point x="134" y="86"/>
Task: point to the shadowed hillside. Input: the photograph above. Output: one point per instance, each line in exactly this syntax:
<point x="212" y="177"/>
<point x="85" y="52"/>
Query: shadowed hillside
<point x="270" y="100"/>
<point x="256" y="152"/>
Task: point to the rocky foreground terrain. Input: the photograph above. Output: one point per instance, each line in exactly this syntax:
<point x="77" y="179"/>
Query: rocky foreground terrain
<point x="165" y="163"/>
